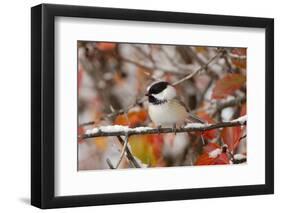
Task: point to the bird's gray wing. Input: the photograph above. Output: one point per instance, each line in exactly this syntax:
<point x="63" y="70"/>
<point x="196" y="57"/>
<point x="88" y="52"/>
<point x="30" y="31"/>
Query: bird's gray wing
<point x="191" y="116"/>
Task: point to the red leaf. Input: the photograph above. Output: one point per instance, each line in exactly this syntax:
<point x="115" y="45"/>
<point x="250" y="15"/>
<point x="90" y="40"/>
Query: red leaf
<point x="81" y="131"/>
<point x="243" y="110"/>
<point x="241" y="63"/>
<point x="210" y="147"/>
<point x="80" y="77"/>
<point x="228" y="85"/>
<point x="210" y="134"/>
<point x="205" y="159"/>
<point x="221" y="159"/>
<point x="216" y="158"/>
<point x="231" y="136"/>
<point x="106" y="46"/>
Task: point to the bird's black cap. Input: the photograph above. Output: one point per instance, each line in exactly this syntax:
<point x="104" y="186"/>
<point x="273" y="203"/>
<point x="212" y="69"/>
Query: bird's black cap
<point x="157" y="87"/>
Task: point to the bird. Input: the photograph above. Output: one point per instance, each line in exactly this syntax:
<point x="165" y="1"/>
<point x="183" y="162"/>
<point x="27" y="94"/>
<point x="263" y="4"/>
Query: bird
<point x="165" y="107"/>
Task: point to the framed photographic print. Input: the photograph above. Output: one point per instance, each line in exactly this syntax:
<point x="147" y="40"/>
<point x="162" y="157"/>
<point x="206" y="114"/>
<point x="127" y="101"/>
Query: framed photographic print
<point x="140" y="106"/>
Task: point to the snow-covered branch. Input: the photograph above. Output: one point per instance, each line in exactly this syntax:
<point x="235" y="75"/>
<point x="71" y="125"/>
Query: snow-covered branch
<point x="117" y="130"/>
<point x="217" y="106"/>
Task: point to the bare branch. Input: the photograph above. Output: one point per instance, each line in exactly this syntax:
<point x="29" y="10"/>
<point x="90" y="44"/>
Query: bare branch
<point x="109" y="163"/>
<point x="117" y="130"/>
<point x="183" y="67"/>
<point x="202" y="67"/>
<point x="87" y="123"/>
<point x="123" y="150"/>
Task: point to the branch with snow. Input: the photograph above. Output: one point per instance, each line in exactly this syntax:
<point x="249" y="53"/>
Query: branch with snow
<point x="234" y="101"/>
<point x="117" y="130"/>
<point x="229" y="102"/>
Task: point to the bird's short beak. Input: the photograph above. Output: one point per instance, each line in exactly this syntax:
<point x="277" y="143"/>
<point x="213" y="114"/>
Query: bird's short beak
<point x="146" y="94"/>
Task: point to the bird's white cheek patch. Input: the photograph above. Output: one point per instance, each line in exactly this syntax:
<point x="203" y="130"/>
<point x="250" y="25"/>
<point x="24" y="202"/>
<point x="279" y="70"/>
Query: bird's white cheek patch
<point x="170" y="92"/>
<point x="159" y="96"/>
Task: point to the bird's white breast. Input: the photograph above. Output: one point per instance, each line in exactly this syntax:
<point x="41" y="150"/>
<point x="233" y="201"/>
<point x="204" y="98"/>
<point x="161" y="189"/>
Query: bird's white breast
<point x="167" y="113"/>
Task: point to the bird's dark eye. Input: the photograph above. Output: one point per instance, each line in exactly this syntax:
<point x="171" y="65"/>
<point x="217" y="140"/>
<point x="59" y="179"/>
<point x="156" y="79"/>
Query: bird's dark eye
<point x="151" y="99"/>
<point x="158" y="87"/>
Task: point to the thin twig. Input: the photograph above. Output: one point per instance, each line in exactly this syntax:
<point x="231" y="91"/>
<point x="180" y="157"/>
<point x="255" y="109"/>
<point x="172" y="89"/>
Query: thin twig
<point x="87" y="123"/>
<point x="122" y="151"/>
<point x="183" y="67"/>
<point x="109" y="163"/>
<point x="202" y="67"/>
<point x="150" y="68"/>
<point x="202" y="96"/>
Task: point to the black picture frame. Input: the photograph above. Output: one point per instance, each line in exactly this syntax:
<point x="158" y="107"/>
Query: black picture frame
<point x="43" y="105"/>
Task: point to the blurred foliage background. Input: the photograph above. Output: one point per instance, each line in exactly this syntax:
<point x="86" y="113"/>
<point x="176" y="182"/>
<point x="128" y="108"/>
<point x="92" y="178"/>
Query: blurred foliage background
<point x="112" y="77"/>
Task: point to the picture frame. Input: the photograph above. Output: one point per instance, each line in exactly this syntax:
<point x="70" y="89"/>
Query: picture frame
<point x="43" y="114"/>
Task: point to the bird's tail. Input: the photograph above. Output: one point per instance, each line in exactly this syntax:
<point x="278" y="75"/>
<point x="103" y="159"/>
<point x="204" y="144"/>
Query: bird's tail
<point x="195" y="119"/>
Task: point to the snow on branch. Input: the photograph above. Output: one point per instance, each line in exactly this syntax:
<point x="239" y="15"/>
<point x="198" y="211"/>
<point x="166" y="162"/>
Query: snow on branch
<point x="117" y="130"/>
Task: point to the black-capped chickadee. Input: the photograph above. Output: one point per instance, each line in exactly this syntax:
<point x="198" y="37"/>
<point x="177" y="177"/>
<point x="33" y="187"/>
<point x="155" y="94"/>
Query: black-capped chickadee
<point x="165" y="108"/>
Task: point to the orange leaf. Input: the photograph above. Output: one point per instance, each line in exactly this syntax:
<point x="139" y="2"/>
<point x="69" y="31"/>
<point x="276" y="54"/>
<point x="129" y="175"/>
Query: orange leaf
<point x="133" y="119"/>
<point x="228" y="85"/>
<point x="101" y="143"/>
<point x="157" y="144"/>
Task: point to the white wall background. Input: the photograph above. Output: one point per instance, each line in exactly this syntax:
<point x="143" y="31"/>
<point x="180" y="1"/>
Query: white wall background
<point x="15" y="105"/>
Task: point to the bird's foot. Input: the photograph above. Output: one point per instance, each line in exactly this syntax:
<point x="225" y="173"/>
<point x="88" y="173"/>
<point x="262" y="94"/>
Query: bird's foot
<point x="175" y="128"/>
<point x="159" y="127"/>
